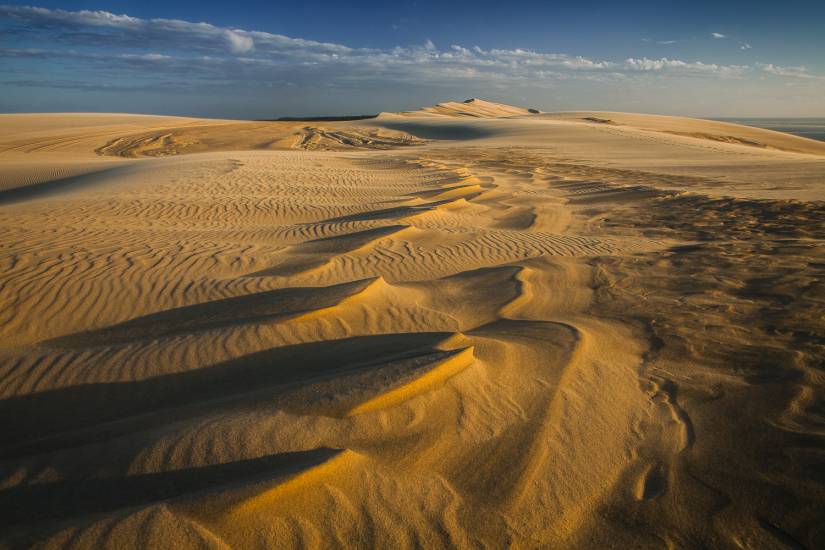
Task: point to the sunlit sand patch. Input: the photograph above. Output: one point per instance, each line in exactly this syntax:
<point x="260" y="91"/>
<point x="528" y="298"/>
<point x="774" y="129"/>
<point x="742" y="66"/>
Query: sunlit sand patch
<point x="438" y="374"/>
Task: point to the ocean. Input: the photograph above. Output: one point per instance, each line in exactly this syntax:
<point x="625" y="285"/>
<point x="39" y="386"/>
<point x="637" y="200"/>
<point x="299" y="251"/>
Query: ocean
<point x="813" y="128"/>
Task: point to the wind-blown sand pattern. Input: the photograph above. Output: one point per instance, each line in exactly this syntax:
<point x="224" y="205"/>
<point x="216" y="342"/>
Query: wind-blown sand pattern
<point x="469" y="326"/>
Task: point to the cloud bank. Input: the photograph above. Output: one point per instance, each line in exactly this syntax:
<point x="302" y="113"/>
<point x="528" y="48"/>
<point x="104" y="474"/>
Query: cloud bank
<point x="178" y="54"/>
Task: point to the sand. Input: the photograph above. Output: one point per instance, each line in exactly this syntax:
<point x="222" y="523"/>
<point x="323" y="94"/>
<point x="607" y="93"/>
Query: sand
<point x="472" y="325"/>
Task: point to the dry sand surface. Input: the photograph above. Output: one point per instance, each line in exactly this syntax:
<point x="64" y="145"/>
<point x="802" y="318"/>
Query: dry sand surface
<point x="467" y="326"/>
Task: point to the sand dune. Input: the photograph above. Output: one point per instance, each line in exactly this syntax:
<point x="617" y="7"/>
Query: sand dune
<point x="724" y="132"/>
<point x="474" y="107"/>
<point x="470" y="325"/>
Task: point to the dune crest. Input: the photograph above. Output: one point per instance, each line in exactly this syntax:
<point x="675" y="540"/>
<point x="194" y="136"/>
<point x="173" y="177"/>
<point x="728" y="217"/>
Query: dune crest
<point x="474" y="107"/>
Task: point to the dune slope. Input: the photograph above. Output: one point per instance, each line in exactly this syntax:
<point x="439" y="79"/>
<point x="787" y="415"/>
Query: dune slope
<point x="474" y="108"/>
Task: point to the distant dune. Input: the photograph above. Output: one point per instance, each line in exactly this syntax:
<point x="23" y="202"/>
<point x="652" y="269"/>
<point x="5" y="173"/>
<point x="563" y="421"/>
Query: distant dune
<point x="702" y="129"/>
<point x="475" y="108"/>
<point x="470" y="325"/>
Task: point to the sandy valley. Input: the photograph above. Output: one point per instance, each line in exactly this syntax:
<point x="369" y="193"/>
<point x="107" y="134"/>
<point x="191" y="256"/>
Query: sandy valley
<point x="472" y="325"/>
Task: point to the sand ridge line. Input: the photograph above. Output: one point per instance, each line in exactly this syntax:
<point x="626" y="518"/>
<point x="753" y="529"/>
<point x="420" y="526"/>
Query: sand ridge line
<point x="242" y="136"/>
<point x="441" y="371"/>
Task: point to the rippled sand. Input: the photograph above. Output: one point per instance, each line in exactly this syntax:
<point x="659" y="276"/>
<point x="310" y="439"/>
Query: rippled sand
<point x="471" y="325"/>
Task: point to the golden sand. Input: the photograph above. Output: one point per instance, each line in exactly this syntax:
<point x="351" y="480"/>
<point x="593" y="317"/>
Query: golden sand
<point x="472" y="325"/>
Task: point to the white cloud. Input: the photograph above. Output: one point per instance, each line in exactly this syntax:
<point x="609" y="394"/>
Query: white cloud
<point x="81" y="17"/>
<point x="531" y="58"/>
<point x="146" y="56"/>
<point x="127" y="31"/>
<point x="790" y="72"/>
<point x="238" y="41"/>
<point x="718" y="35"/>
<point x="744" y="46"/>
<point x="679" y="66"/>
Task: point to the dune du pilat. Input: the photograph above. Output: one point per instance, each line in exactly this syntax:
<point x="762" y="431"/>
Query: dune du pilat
<point x="470" y="325"/>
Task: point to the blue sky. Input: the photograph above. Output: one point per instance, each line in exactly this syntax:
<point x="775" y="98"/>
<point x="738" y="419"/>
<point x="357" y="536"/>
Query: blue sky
<point x="267" y="59"/>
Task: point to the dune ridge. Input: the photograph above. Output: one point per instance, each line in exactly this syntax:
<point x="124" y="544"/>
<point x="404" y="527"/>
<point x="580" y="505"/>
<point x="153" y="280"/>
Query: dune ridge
<point x="474" y="107"/>
<point x="531" y="330"/>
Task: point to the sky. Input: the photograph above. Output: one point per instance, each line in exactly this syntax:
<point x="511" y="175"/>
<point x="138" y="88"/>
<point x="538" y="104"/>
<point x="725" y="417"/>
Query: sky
<point x="265" y="59"/>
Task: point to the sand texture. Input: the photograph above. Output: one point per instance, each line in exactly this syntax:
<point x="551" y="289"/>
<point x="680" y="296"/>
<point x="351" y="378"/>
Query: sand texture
<point x="471" y="325"/>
